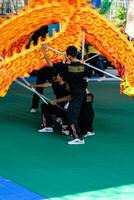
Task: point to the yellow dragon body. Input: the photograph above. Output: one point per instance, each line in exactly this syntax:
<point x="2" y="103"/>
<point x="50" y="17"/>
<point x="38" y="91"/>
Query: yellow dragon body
<point x="73" y="16"/>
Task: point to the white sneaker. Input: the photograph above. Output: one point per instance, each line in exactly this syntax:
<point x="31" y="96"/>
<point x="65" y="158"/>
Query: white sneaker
<point x="33" y="110"/>
<point x="64" y="126"/>
<point x="66" y="132"/>
<point x="46" y="130"/>
<point x="59" y="120"/>
<point x="102" y="78"/>
<point x="76" y="141"/>
<point x="89" y="134"/>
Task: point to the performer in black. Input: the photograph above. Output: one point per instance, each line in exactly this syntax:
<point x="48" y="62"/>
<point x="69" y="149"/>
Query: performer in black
<point x="86" y="117"/>
<point x="74" y="73"/>
<point x="56" y="106"/>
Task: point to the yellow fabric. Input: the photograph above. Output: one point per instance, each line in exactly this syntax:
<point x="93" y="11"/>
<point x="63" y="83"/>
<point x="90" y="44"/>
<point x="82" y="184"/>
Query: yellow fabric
<point x="73" y="16"/>
<point x="91" y="49"/>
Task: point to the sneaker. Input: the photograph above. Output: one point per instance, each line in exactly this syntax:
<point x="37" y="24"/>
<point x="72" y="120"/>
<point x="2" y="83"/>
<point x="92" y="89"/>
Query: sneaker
<point x="46" y="130"/>
<point x="89" y="134"/>
<point x="33" y="110"/>
<point x="64" y="126"/>
<point x="59" y="120"/>
<point x="76" y="141"/>
<point x="102" y="78"/>
<point x="66" y="132"/>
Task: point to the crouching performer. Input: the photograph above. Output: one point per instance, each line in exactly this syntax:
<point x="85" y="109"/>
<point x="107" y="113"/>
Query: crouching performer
<point x="56" y="106"/>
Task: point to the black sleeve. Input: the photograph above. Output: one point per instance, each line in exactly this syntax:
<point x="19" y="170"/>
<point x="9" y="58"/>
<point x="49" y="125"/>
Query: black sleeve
<point x="60" y="68"/>
<point x="56" y="68"/>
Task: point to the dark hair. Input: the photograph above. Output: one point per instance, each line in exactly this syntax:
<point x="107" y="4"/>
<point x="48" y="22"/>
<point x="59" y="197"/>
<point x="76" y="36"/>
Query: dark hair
<point x="59" y="69"/>
<point x="71" y="51"/>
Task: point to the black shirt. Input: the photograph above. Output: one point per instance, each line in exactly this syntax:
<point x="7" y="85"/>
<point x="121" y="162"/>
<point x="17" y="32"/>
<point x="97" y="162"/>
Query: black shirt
<point x="60" y="91"/>
<point x="74" y="74"/>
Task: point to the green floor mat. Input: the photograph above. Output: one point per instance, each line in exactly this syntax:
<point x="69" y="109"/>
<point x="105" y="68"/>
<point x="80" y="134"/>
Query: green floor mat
<point x="47" y="165"/>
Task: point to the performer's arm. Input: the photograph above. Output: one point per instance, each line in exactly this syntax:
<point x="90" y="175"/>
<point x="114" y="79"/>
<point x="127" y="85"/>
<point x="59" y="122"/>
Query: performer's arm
<point x="60" y="100"/>
<point x="44" y="85"/>
<point x="43" y="48"/>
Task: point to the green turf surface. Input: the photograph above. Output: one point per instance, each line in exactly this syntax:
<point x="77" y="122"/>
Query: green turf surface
<point x="46" y="164"/>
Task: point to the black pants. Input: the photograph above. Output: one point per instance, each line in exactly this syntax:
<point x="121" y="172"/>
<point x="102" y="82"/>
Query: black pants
<point x="47" y="113"/>
<point x="43" y="75"/>
<point x="86" y="117"/>
<point x="73" y="113"/>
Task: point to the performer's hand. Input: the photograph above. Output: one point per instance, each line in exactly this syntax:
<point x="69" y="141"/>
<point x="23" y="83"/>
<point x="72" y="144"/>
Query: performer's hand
<point x="82" y="61"/>
<point x="1" y="58"/>
<point x="46" y="85"/>
<point x="31" y="86"/>
<point x="43" y="47"/>
<point x="53" y="102"/>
